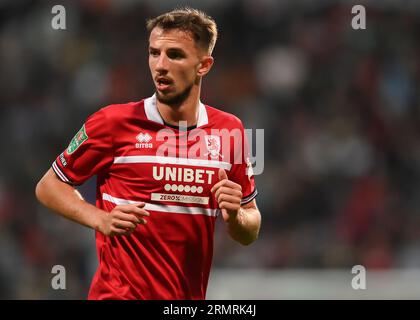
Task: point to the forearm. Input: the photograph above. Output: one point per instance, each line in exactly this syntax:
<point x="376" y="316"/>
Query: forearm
<point x="66" y="201"/>
<point x="245" y="226"/>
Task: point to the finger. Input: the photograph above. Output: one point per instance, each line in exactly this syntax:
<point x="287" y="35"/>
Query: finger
<point x="229" y="206"/>
<point x="141" y="213"/>
<point x="140" y="204"/>
<point x="130" y="206"/>
<point x="125" y="233"/>
<point x="233" y="185"/>
<point x="222" y="174"/>
<point x="230" y="191"/>
<point x="142" y="221"/>
<point x="126" y="216"/>
<point x="123" y="206"/>
<point x="120" y="232"/>
<point x="120" y="224"/>
<point x="217" y="186"/>
<point x="134" y="217"/>
<point x="134" y="209"/>
<point x="229" y="198"/>
<point x="225" y="215"/>
<point x="227" y="183"/>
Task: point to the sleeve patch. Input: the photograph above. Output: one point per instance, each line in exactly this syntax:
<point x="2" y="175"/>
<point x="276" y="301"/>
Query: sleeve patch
<point x="80" y="137"/>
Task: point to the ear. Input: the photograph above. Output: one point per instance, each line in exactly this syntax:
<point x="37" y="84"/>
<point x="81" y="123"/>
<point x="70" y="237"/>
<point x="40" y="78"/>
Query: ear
<point x="205" y="65"/>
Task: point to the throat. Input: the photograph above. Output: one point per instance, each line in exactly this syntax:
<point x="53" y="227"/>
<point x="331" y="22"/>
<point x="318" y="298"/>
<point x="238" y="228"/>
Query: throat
<point x="185" y="116"/>
<point x="180" y="126"/>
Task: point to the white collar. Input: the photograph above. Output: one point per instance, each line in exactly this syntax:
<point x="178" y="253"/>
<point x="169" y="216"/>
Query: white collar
<point x="153" y="114"/>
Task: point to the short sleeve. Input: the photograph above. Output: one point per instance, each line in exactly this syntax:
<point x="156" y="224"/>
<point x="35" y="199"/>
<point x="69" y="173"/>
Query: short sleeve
<point x="89" y="152"/>
<point x="242" y="172"/>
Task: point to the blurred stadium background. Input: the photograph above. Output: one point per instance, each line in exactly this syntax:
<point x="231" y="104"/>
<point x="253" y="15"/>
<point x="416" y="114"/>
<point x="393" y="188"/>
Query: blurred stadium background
<point x="341" y="114"/>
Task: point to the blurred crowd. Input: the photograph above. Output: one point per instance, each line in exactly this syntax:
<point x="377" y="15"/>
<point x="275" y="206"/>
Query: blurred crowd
<point x="340" y="109"/>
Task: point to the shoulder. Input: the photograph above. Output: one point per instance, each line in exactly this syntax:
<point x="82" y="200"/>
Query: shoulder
<point x="223" y="118"/>
<point x="121" y="110"/>
<point x="117" y="113"/>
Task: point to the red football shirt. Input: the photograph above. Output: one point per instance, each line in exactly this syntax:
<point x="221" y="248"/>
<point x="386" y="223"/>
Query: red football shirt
<point x="137" y="157"/>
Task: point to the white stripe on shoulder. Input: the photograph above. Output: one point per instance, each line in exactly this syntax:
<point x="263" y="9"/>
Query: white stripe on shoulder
<point x="164" y="208"/>
<point x="173" y="160"/>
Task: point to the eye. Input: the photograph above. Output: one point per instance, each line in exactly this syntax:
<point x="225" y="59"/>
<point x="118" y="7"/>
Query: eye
<point x="176" y="55"/>
<point x="153" y="53"/>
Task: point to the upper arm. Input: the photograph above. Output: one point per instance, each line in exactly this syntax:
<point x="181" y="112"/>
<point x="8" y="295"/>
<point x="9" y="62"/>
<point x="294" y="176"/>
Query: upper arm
<point x="49" y="185"/>
<point x="89" y="152"/>
<point x="50" y="180"/>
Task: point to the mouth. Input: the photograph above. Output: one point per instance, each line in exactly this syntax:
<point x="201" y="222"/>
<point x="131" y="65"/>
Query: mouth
<point x="163" y="83"/>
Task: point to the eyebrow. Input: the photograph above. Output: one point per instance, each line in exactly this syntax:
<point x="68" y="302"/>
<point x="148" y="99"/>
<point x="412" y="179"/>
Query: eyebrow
<point x="176" y="50"/>
<point x="169" y="49"/>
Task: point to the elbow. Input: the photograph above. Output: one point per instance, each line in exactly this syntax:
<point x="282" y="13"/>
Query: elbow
<point x="44" y="186"/>
<point x="246" y="232"/>
<point x="246" y="240"/>
<point x="39" y="190"/>
<point x="251" y="236"/>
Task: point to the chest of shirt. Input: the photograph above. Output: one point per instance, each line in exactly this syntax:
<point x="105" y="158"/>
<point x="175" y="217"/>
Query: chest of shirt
<point x="168" y="165"/>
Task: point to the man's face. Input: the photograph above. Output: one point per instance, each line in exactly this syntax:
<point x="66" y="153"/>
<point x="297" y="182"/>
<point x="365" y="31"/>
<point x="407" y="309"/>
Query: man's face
<point x="174" y="62"/>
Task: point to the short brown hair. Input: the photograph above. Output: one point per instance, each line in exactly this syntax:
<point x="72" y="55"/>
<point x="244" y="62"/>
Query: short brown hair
<point x="201" y="26"/>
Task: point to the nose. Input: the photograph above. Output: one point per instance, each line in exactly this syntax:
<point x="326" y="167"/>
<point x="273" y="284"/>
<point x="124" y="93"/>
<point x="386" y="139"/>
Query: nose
<point x="162" y="63"/>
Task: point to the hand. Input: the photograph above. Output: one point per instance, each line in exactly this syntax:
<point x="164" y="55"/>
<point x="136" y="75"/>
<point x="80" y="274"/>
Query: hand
<point x="228" y="195"/>
<point x="123" y="220"/>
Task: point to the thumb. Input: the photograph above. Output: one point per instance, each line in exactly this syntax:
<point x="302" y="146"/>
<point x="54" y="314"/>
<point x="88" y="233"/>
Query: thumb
<point x="222" y="174"/>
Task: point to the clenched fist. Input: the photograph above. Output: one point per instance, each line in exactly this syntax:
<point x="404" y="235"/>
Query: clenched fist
<point x="228" y="195"/>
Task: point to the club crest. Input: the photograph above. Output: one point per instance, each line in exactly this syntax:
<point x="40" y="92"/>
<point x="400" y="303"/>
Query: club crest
<point x="213" y="146"/>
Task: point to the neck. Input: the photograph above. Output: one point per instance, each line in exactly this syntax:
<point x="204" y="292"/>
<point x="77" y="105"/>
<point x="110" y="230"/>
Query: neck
<point x="186" y="111"/>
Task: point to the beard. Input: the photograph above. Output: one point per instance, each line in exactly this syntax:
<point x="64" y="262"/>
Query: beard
<point x="175" y="100"/>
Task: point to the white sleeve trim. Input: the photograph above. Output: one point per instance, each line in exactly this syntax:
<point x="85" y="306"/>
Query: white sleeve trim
<point x="60" y="173"/>
<point x="249" y="198"/>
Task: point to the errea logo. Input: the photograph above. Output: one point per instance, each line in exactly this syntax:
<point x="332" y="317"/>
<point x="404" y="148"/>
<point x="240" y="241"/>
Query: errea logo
<point x="144" y="140"/>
